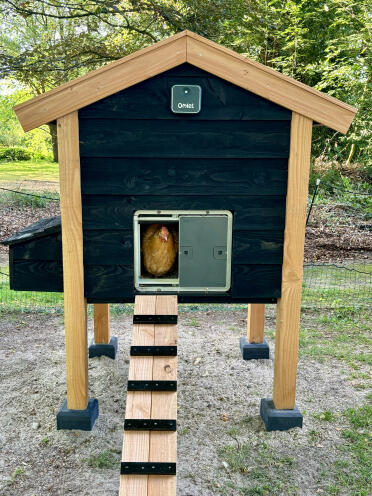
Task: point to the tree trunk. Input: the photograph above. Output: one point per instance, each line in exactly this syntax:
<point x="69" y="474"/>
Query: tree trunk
<point x="53" y="134"/>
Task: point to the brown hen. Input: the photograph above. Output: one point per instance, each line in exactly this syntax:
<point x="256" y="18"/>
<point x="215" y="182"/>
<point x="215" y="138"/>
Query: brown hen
<point x="159" y="248"/>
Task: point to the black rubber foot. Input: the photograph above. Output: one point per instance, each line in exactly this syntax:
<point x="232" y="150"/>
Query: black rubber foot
<point x="109" y="350"/>
<point x="254" y="351"/>
<point x="82" y="420"/>
<point x="279" y="420"/>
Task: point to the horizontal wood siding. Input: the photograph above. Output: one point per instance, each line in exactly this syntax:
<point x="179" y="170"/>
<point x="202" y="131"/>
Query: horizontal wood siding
<point x="35" y="275"/>
<point x="138" y="155"/>
<point x="179" y="139"/>
<point x="114" y="283"/>
<point x="48" y="248"/>
<point x="250" y="213"/>
<point x="176" y="177"/>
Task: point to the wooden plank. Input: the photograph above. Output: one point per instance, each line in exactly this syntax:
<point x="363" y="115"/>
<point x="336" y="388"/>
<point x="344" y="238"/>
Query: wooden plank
<point x="250" y="212"/>
<point x="256" y="281"/>
<point x="289" y="305"/>
<point x="112" y="280"/>
<point x="108" y="247"/>
<point x="269" y="84"/>
<point x="101" y="323"/>
<point x="150" y="99"/>
<point x="255" y="323"/>
<point x="35" y="275"/>
<point x="73" y="270"/>
<point x="187" y="139"/>
<point x="136" y="444"/>
<point x="163" y="445"/>
<point x="186" y="47"/>
<point x="48" y="248"/>
<point x="144" y="176"/>
<point x="249" y="281"/>
<point x="257" y="247"/>
<point x="193" y="298"/>
<point x="98" y="84"/>
<point x="112" y="247"/>
<point x="151" y="446"/>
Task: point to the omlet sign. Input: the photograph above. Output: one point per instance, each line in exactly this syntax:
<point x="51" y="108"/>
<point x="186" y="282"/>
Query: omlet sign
<point x="186" y="99"/>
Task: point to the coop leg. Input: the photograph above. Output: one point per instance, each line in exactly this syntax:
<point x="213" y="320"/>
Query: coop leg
<point x="78" y="411"/>
<point x="280" y="412"/>
<point x="254" y="345"/>
<point x="102" y="345"/>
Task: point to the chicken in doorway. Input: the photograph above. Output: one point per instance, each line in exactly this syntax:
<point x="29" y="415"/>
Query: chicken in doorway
<point x="159" y="248"/>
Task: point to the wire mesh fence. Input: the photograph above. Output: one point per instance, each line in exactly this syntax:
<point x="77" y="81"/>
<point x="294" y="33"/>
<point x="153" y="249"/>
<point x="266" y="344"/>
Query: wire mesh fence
<point x="331" y="285"/>
<point x="324" y="286"/>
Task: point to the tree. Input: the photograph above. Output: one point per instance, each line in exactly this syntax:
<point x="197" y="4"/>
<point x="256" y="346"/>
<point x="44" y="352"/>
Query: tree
<point x="323" y="43"/>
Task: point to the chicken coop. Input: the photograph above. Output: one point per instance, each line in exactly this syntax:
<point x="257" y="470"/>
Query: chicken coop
<point x="205" y="144"/>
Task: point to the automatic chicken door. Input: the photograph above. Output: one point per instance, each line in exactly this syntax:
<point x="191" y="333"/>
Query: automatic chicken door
<point x="182" y="251"/>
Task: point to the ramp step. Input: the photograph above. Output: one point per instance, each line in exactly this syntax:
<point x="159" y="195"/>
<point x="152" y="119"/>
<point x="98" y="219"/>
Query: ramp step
<point x="147" y="468"/>
<point x="152" y="385"/>
<point x="150" y="438"/>
<point x="155" y="319"/>
<point x="150" y="425"/>
<point x="153" y="350"/>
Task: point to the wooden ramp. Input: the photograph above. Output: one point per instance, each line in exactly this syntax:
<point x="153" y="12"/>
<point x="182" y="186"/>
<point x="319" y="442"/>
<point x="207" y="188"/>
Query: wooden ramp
<point x="149" y="456"/>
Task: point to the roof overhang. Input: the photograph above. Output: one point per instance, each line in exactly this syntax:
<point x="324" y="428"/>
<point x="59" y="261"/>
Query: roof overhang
<point x="200" y="52"/>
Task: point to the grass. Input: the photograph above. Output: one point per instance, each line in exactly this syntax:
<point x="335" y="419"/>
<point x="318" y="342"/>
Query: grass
<point x="17" y="473"/>
<point x="27" y="301"/>
<point x="342" y="333"/>
<point x="336" y="286"/>
<point x="31" y="170"/>
<point x="106" y="460"/>
<point x="266" y="471"/>
<point x="41" y="199"/>
<point x="262" y="469"/>
<point x="351" y="473"/>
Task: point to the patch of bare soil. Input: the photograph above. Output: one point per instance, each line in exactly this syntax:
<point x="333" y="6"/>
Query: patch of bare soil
<point x="336" y="234"/>
<point x="32" y="185"/>
<point x="218" y="391"/>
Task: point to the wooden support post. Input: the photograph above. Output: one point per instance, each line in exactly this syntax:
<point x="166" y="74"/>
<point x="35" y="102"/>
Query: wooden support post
<point x="101" y="323"/>
<point x="288" y="308"/>
<point x="255" y="323"/>
<point x="73" y="270"/>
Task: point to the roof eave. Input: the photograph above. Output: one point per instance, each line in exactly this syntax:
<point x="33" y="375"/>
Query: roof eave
<point x="205" y="54"/>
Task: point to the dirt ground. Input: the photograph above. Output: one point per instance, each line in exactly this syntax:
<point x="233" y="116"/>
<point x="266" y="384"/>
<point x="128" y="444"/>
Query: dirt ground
<point x="219" y="397"/>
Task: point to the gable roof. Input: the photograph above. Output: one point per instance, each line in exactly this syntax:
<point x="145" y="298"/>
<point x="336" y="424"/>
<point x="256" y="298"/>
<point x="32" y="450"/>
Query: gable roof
<point x="200" y="52"/>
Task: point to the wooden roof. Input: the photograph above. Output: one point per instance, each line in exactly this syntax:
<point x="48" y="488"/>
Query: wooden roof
<point x="200" y="52"/>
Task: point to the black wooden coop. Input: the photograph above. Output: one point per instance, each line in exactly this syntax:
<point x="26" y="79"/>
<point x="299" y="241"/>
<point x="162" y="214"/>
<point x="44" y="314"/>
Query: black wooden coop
<point x="136" y="154"/>
<point x="198" y="139"/>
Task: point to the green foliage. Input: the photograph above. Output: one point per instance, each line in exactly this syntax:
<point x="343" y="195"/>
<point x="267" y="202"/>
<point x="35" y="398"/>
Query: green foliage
<point x="324" y="44"/>
<point x="37" y="141"/>
<point x="106" y="459"/>
<point x="326" y="416"/>
<point x="14" y="153"/>
<point x="361" y="418"/>
<point x="17" y="473"/>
